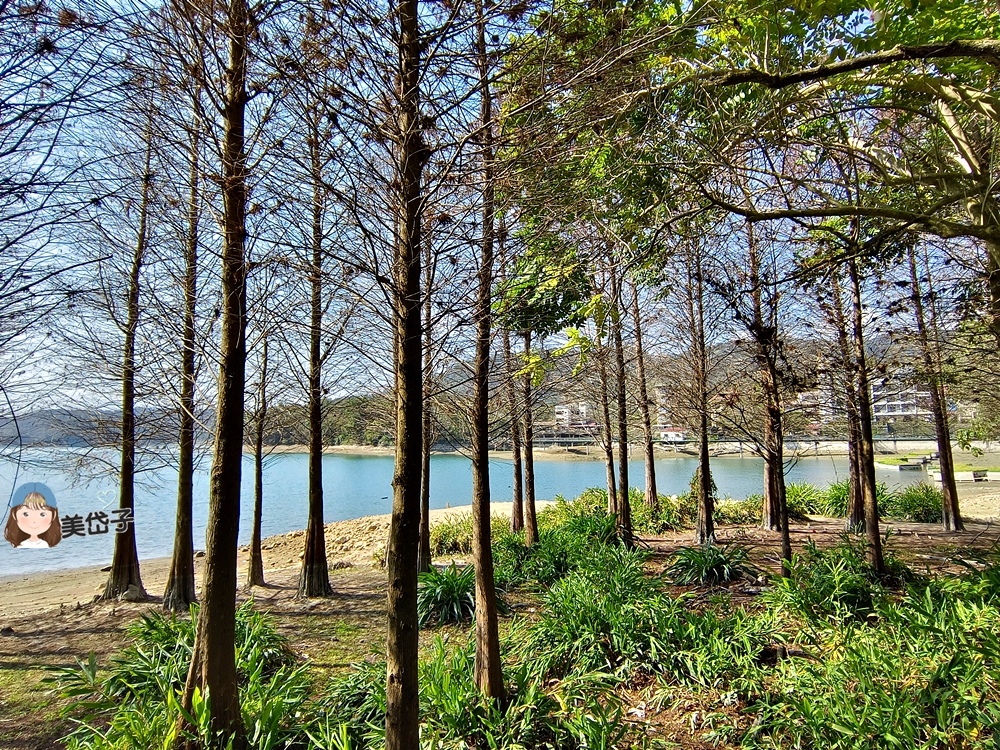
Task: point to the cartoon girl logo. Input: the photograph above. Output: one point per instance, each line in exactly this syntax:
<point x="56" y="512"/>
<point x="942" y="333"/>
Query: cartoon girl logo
<point x="33" y="522"/>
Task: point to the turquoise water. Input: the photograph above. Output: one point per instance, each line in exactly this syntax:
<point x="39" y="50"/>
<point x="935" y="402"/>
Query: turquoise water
<point x="353" y="486"/>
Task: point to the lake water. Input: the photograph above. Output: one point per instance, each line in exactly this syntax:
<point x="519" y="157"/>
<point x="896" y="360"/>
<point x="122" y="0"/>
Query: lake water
<point x="353" y="486"/>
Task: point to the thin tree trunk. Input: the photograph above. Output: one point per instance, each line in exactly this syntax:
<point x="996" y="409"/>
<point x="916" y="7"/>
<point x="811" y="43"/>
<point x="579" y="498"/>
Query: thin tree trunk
<point x="213" y="661"/>
<point x="125" y="562"/>
<point x="951" y="516"/>
<point x="517" y="509"/>
<point x="255" y="573"/>
<point x="704" y="532"/>
<point x="180" y="593"/>
<point x="530" y="520"/>
<point x="855" y="521"/>
<point x="624" y="509"/>
<point x="488" y="672"/>
<point x="652" y="499"/>
<point x="606" y="431"/>
<point x="866" y="451"/>
<point x="314" y="577"/>
<point x="424" y="550"/>
<point x="402" y="722"/>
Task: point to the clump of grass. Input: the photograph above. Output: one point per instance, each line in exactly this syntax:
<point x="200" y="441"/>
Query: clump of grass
<point x="136" y="704"/>
<point x="833" y="585"/>
<point x="446" y="595"/>
<point x="921" y="503"/>
<point x="709" y="564"/>
<point x="453" y="536"/>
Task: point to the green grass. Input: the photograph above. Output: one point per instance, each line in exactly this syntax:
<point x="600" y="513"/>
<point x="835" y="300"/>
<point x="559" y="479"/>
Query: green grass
<point x="29" y="711"/>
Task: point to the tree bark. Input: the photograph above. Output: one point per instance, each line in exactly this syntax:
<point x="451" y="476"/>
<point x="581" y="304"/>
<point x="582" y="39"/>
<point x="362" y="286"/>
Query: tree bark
<point x="652" y="499"/>
<point x="488" y="671"/>
<point x="517" y="509"/>
<point x="855" y="521"/>
<point x="704" y="532"/>
<point x="213" y="661"/>
<point x="606" y="431"/>
<point x="424" y="550"/>
<point x="180" y="594"/>
<point x="866" y="445"/>
<point x="255" y="572"/>
<point x="951" y="516"/>
<point x="402" y="723"/>
<point x="530" y="519"/>
<point x="314" y="577"/>
<point x="624" y="508"/>
<point x="125" y="562"/>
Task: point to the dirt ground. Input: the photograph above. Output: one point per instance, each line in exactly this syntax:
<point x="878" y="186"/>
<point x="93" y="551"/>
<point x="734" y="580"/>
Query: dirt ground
<point x="51" y="619"/>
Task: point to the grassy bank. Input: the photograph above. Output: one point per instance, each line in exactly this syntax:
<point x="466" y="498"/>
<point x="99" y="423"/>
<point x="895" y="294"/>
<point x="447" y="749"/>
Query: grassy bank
<point x="607" y="647"/>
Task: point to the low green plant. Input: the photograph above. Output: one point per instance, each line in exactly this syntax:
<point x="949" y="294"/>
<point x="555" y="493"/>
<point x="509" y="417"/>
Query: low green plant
<point x="739" y="512"/>
<point x="802" y="498"/>
<point x="710" y="564"/>
<point x="829" y="585"/>
<point x="921" y="503"/>
<point x="136" y="704"/>
<point x="446" y="595"/>
<point x="924" y="678"/>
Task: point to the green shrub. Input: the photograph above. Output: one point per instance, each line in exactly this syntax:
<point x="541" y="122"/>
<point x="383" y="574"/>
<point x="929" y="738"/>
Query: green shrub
<point x="921" y="503"/>
<point x="802" y="498"/>
<point x="453" y="536"/>
<point x="446" y="595"/>
<point x="740" y="512"/>
<point x="709" y="564"/>
<point x="135" y="706"/>
<point x="924" y="678"/>
<point x="833" y="502"/>
<point x="835" y="584"/>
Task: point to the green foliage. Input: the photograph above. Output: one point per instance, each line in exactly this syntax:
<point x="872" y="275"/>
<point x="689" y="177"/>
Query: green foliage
<point x="801" y="498"/>
<point x="453" y="535"/>
<point x="710" y="564"/>
<point x="446" y="595"/>
<point x="924" y="678"/>
<point x="835" y="584"/>
<point x="921" y="503"/>
<point x="137" y="704"/>
<point x="748" y="511"/>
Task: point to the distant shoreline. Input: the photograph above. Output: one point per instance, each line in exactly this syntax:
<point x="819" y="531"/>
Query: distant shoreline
<point x="804" y="448"/>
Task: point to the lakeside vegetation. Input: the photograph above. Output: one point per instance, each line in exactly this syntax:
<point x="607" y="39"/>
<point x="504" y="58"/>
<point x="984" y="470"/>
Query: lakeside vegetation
<point x="460" y="222"/>
<point x="604" y="651"/>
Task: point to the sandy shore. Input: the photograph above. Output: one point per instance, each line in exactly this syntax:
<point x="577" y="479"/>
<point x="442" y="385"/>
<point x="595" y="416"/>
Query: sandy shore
<point x="354" y="543"/>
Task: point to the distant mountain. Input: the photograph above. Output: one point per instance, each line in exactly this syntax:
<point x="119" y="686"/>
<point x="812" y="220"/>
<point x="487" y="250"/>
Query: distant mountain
<point x="82" y="427"/>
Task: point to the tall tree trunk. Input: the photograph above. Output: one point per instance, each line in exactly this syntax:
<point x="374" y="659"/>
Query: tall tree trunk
<point x="517" y="504"/>
<point x="402" y="722"/>
<point x="624" y="509"/>
<point x="704" y="532"/>
<point x="530" y="519"/>
<point x="424" y="549"/>
<point x="213" y="662"/>
<point x="255" y="573"/>
<point x="517" y="507"/>
<point x="180" y="594"/>
<point x="314" y="577"/>
<point x="950" y="514"/>
<point x="866" y="445"/>
<point x="652" y="499"/>
<point x="125" y="562"/>
<point x="488" y="672"/>
<point x="607" y="431"/>
<point x="776" y="461"/>
<point x="855" y="521"/>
